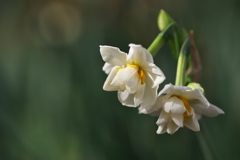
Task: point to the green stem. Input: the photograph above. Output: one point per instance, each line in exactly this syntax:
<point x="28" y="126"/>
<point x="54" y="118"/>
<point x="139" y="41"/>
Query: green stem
<point x="176" y="44"/>
<point x="160" y="40"/>
<point x="181" y="66"/>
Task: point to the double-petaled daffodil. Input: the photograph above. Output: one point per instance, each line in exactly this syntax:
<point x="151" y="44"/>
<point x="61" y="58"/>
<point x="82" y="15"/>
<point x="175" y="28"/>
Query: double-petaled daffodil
<point x="133" y="75"/>
<point x="179" y="106"/>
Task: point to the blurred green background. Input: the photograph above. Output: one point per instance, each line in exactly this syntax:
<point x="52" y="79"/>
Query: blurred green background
<point x="52" y="106"/>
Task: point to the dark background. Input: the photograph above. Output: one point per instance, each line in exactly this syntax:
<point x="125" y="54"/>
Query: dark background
<point x="52" y="106"/>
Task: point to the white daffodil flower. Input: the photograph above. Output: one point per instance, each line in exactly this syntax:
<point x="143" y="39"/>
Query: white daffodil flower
<point x="179" y="106"/>
<point x="133" y="75"/>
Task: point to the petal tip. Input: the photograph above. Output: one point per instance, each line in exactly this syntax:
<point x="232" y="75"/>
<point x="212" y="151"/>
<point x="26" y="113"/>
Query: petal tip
<point x="134" y="45"/>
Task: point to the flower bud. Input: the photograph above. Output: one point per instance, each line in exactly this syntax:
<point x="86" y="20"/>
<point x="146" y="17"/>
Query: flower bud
<point x="164" y="20"/>
<point x="194" y="85"/>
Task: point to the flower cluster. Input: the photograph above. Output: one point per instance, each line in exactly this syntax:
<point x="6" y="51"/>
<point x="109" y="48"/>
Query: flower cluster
<point x="136" y="79"/>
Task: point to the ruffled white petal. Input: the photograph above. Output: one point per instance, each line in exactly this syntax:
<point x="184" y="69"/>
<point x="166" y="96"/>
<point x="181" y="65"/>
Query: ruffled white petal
<point x="107" y="68"/>
<point x="177" y="119"/>
<point x="192" y="123"/>
<point x="107" y="85"/>
<point x="166" y="90"/>
<point x="126" y="73"/>
<point x="118" y="83"/>
<point x="142" y="110"/>
<point x="212" y="111"/>
<point x="139" y="55"/>
<point x="196" y="95"/>
<point x="133" y="83"/>
<point x="168" y="106"/>
<point x="163" y="118"/>
<point x="178" y="90"/>
<point x="153" y="69"/>
<point x="155" y="113"/>
<point x="155" y="74"/>
<point x="174" y="105"/>
<point x="126" y="99"/>
<point x="162" y="129"/>
<point x="123" y="95"/>
<point x="149" y="97"/>
<point x="157" y="107"/>
<point x="172" y="127"/>
<point x="139" y="94"/>
<point x="162" y="99"/>
<point x="156" y="79"/>
<point x="177" y="106"/>
<point x="113" y="55"/>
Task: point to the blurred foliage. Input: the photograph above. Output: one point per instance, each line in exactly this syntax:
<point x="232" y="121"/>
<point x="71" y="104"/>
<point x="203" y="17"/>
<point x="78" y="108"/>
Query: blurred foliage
<point x="52" y="106"/>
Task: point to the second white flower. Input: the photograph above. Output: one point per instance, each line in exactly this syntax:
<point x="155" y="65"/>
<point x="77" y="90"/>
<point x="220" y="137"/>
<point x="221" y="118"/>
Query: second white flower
<point x="133" y="75"/>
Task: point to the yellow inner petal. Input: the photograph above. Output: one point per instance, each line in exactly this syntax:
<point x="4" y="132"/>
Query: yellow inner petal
<point x="141" y="73"/>
<point x="133" y="66"/>
<point x="142" y="76"/>
<point x="187" y="114"/>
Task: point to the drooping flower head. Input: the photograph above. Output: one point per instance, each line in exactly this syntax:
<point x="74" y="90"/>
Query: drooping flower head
<point x="133" y="75"/>
<point x="179" y="106"/>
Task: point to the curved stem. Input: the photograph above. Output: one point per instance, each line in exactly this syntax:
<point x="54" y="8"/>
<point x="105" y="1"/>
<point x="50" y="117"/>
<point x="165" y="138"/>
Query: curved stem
<point x="160" y="40"/>
<point x="176" y="44"/>
<point x="181" y="66"/>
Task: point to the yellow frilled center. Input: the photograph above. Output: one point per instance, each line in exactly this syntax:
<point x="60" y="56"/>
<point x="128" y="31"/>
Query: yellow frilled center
<point x="141" y="73"/>
<point x="187" y="114"/>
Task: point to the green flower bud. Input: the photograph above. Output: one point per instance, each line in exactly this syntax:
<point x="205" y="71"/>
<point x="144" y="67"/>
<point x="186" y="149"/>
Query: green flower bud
<point x="164" y="20"/>
<point x="194" y="85"/>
